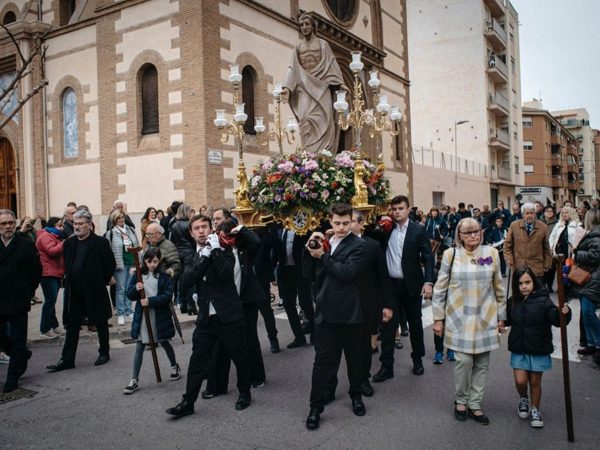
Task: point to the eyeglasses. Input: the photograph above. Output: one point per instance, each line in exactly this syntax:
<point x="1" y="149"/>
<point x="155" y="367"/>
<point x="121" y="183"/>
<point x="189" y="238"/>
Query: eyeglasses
<point x="470" y="233"/>
<point x="8" y="224"/>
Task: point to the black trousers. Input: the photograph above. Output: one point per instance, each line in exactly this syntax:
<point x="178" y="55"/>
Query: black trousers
<point x="330" y="341"/>
<point x="267" y="312"/>
<point x="205" y="338"/>
<point x="218" y="372"/>
<point x="412" y="308"/>
<point x="74" y="319"/>
<point x="291" y="286"/>
<point x="16" y="344"/>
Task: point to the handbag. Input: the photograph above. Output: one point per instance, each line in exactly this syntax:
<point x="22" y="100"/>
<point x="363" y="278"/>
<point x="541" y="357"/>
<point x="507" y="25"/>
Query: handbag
<point x="578" y="275"/>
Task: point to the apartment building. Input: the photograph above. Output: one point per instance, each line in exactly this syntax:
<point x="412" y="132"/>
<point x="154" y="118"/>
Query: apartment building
<point x="465" y="100"/>
<point x="577" y="121"/>
<point x="551" y="159"/>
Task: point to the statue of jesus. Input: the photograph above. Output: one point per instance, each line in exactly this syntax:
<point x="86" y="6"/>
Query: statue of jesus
<point x="310" y="82"/>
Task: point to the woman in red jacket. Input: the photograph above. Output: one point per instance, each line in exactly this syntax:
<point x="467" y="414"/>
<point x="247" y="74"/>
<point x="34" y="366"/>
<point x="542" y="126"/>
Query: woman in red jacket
<point x="49" y="243"/>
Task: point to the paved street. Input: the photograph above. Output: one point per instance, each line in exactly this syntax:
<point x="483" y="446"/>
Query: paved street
<point x="86" y="406"/>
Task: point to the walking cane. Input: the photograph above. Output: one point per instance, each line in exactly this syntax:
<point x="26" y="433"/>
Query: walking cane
<point x="135" y="251"/>
<point x="508" y="282"/>
<point x="564" y="346"/>
<point x="176" y="321"/>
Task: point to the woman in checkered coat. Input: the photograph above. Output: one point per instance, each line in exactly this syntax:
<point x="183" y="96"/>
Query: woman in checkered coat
<point x="469" y="302"/>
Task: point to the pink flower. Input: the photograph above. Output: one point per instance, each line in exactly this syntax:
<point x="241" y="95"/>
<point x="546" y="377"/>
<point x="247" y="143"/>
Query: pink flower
<point x="325" y="194"/>
<point x="267" y="164"/>
<point x="310" y="164"/>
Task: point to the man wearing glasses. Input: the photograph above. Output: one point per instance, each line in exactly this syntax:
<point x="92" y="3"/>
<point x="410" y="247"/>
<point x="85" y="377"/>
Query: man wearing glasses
<point x="89" y="267"/>
<point x="20" y="274"/>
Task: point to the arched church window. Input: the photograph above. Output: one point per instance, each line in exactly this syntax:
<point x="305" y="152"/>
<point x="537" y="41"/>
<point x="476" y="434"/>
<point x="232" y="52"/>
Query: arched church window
<point x="70" y="126"/>
<point x="9" y="17"/>
<point x="66" y="10"/>
<point x="342" y="10"/>
<point x="149" y="81"/>
<point x="248" y="87"/>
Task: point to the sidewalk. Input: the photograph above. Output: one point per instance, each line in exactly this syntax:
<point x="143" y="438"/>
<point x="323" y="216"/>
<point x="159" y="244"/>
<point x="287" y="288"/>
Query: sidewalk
<point x="116" y="332"/>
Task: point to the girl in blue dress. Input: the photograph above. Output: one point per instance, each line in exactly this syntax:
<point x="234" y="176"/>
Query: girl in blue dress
<point x="531" y="314"/>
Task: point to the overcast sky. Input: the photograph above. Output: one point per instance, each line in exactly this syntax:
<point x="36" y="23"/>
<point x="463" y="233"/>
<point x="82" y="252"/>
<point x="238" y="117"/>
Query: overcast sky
<point x="560" y="53"/>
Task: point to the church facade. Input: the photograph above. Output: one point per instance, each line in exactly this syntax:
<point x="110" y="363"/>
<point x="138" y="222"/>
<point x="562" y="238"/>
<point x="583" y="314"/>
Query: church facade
<point x="133" y="86"/>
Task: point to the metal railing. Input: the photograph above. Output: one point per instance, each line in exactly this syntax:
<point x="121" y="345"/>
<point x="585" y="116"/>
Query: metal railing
<point x="501" y="135"/>
<point x="497" y="28"/>
<point x="504" y="173"/>
<point x="499" y="99"/>
<point x="445" y="161"/>
<point x="496" y="62"/>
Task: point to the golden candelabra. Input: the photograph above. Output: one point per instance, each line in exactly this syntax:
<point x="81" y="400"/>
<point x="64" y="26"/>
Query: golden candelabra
<point x="235" y="128"/>
<point x="278" y="133"/>
<point x="386" y="118"/>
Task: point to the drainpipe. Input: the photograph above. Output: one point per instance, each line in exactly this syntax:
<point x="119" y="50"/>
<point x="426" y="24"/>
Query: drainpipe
<point x="40" y="15"/>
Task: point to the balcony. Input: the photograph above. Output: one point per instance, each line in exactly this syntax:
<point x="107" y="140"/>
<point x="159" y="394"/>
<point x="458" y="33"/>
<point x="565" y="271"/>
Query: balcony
<point x="497" y="70"/>
<point x="504" y="173"/>
<point x="498" y="104"/>
<point x="499" y="139"/>
<point x="555" y="139"/>
<point x="496" y="35"/>
<point x="572" y="186"/>
<point x="496" y="7"/>
<point x="557" y="181"/>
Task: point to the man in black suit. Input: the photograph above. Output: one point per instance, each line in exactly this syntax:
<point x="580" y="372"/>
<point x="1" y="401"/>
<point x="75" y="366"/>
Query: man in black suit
<point x="20" y="274"/>
<point x="220" y="315"/>
<point x="339" y="318"/>
<point x="89" y="268"/>
<point x="406" y="247"/>
<point x="292" y="284"/>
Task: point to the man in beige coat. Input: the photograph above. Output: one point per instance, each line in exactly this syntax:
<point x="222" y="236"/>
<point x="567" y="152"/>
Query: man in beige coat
<point x="526" y="243"/>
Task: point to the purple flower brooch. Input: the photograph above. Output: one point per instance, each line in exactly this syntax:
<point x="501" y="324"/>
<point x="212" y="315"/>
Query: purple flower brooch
<point x="483" y="261"/>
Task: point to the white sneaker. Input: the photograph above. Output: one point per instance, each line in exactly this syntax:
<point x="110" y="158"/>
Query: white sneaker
<point x="4" y="358"/>
<point x="129" y="318"/>
<point x="535" y="418"/>
<point x="121" y="320"/>
<point x="58" y="331"/>
<point x="175" y="375"/>
<point x="523" y="408"/>
<point x="48" y="335"/>
<point x="131" y="387"/>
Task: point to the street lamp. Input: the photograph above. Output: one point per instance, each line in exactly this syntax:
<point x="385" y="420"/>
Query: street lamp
<point x="456" y="124"/>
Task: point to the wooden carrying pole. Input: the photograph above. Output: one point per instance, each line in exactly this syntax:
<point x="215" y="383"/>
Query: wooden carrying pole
<point x="138" y="271"/>
<point x="559" y="259"/>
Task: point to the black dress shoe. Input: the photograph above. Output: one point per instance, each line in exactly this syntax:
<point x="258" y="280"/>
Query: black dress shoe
<point x="297" y="343"/>
<point x="358" y="407"/>
<point x="459" y="415"/>
<point x="208" y="394"/>
<point x="383" y="374"/>
<point x="481" y="418"/>
<point x="313" y="419"/>
<point x="367" y="389"/>
<point x="274" y="345"/>
<point x="60" y="365"/>
<point x="418" y="368"/>
<point x="102" y="359"/>
<point x="404" y="332"/>
<point x="184" y="408"/>
<point x="243" y="401"/>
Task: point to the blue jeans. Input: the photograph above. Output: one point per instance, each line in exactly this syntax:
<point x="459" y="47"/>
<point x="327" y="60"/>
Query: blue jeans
<point x="50" y="288"/>
<point x="591" y="322"/>
<point x="122" y="276"/>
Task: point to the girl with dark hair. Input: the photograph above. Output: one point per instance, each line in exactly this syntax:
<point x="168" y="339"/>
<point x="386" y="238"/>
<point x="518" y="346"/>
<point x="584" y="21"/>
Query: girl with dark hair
<point x="531" y="315"/>
<point x="159" y="291"/>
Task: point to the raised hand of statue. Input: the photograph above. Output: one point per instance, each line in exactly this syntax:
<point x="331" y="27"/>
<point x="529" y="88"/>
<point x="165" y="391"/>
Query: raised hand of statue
<point x="285" y="95"/>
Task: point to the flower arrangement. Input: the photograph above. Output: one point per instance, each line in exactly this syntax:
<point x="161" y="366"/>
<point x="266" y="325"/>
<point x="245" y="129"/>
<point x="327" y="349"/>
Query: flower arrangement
<point x="312" y="180"/>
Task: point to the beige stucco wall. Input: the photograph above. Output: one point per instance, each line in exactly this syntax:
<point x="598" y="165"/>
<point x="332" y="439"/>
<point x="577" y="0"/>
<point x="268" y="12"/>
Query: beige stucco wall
<point x="78" y="184"/>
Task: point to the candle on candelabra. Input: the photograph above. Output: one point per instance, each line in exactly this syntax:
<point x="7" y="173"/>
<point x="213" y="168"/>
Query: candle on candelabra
<point x="259" y="127"/>
<point x="340" y="104"/>
<point x="356" y="65"/>
<point x="277" y="90"/>
<point x="395" y="114"/>
<point x="220" y="121"/>
<point x="383" y="106"/>
<point x="240" y="116"/>
<point x="374" y="81"/>
<point x="292" y="125"/>
<point x="234" y="73"/>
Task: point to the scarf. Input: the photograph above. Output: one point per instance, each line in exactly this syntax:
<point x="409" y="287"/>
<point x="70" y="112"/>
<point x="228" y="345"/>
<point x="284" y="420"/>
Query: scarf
<point x="56" y="232"/>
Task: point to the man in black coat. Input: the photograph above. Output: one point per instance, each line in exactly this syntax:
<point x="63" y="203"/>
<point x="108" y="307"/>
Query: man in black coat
<point x="293" y="285"/>
<point x="89" y="268"/>
<point x="339" y="319"/>
<point x="20" y="274"/>
<point x="244" y="244"/>
<point x="220" y="315"/>
<point x="406" y="247"/>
